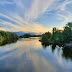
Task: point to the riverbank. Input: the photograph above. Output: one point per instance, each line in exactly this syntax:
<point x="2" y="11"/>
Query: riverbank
<point x="59" y="37"/>
<point x="51" y="43"/>
<point x="65" y="45"/>
<point x="29" y="55"/>
<point x="7" y="37"/>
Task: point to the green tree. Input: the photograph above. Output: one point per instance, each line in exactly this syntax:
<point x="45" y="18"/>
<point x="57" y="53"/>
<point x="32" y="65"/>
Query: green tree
<point x="26" y="35"/>
<point x="46" y="36"/>
<point x="67" y="33"/>
<point x="7" y="37"/>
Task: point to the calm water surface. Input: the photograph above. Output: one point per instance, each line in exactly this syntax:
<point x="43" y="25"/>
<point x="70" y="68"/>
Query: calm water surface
<point x="29" y="55"/>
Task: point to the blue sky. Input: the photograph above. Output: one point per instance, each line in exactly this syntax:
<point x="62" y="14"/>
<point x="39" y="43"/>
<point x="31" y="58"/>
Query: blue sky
<point x="37" y="16"/>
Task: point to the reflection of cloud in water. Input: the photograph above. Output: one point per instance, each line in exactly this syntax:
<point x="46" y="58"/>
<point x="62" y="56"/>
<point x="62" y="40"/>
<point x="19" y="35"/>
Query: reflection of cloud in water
<point x="27" y="55"/>
<point x="20" y="57"/>
<point x="40" y="64"/>
<point x="21" y="46"/>
<point x="58" y="55"/>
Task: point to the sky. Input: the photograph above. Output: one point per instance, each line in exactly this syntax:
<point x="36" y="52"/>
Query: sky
<point x="36" y="16"/>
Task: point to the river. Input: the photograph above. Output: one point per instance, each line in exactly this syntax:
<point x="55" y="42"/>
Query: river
<point x="29" y="55"/>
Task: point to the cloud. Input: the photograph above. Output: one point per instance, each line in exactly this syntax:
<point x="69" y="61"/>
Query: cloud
<point x="19" y="3"/>
<point x="63" y="13"/>
<point x="63" y="17"/>
<point x="21" y="25"/>
<point x="38" y="7"/>
<point x="67" y="17"/>
<point x="2" y="26"/>
<point x="5" y="2"/>
<point x="62" y="7"/>
<point x="4" y="29"/>
<point x="22" y="19"/>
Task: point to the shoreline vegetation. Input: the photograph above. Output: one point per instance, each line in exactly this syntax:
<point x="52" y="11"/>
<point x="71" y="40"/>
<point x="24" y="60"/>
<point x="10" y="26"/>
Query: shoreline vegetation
<point x="11" y="37"/>
<point x="29" y="35"/>
<point x="7" y="38"/>
<point x="59" y="37"/>
<point x="62" y="38"/>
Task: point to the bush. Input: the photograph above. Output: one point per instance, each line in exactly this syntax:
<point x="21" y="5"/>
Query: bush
<point x="59" y="36"/>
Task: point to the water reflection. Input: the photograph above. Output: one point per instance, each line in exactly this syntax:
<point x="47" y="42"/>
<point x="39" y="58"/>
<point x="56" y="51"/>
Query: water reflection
<point x="7" y="42"/>
<point x="66" y="52"/>
<point x="28" y="55"/>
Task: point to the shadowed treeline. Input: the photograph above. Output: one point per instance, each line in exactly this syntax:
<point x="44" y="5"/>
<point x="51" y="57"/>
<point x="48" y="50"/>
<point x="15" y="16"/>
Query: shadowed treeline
<point x="29" y="35"/>
<point x="7" y="38"/>
<point x="59" y="36"/>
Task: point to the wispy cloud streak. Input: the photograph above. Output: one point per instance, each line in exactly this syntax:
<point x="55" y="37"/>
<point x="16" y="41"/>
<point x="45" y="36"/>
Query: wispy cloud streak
<point x="22" y="25"/>
<point x="5" y="2"/>
<point x="23" y="18"/>
<point x="38" y="7"/>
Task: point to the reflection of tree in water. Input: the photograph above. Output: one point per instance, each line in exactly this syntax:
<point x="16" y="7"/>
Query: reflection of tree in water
<point x="48" y="44"/>
<point x="67" y="52"/>
<point x="53" y="48"/>
<point x="45" y="45"/>
<point x="7" y="42"/>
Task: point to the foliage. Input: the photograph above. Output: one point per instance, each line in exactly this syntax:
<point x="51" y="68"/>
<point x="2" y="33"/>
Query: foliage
<point x="28" y="35"/>
<point x="46" y="36"/>
<point x="59" y="36"/>
<point x="7" y="37"/>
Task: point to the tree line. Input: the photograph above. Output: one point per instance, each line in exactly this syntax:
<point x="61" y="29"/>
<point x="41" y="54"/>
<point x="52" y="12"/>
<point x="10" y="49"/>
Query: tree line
<point x="7" y="37"/>
<point x="29" y="35"/>
<point x="59" y="36"/>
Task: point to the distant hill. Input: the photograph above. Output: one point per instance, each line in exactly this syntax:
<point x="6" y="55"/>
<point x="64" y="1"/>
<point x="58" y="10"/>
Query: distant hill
<point x="23" y="33"/>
